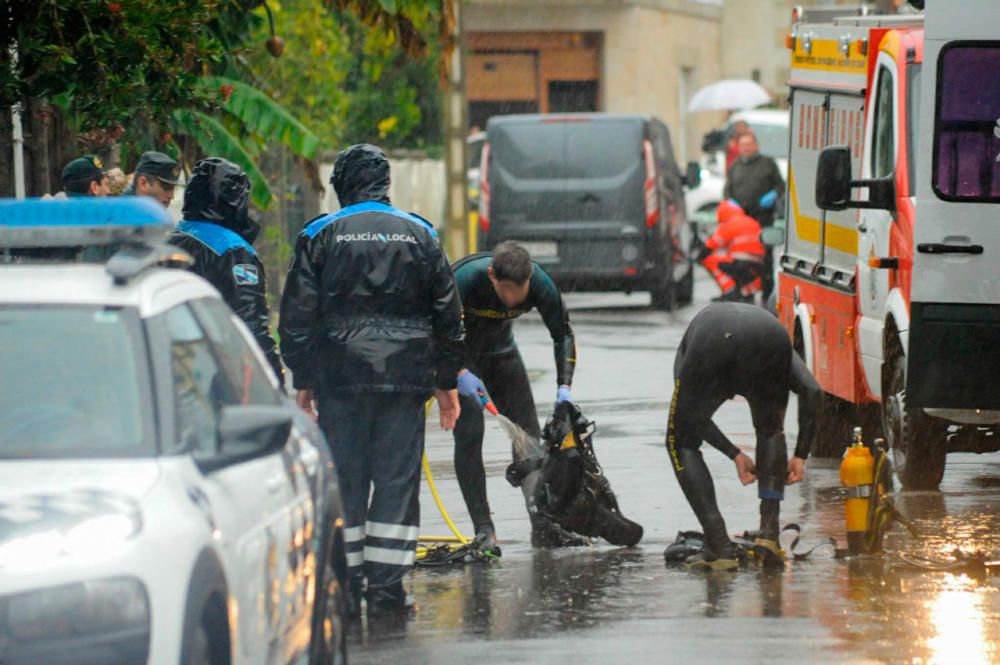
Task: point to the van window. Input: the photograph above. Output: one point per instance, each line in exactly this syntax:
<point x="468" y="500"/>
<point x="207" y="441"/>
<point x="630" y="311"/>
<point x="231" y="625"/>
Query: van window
<point x="883" y="143"/>
<point x="575" y="149"/>
<point x="967" y="127"/>
<point x="913" y="114"/>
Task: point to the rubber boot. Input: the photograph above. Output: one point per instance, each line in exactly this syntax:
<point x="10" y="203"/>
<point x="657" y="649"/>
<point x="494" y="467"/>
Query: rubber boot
<point x="390" y="600"/>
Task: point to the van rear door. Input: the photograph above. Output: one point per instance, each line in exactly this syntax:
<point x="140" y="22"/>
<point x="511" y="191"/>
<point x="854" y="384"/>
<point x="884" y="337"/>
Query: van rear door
<point x="954" y="338"/>
<point x="568" y="187"/>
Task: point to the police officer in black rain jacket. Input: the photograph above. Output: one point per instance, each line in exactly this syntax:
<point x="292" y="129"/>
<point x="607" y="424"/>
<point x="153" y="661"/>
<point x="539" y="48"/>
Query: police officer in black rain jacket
<point x="218" y="233"/>
<point x="371" y="326"/>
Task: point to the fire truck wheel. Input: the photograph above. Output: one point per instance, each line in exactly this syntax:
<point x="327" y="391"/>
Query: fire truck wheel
<point x="918" y="442"/>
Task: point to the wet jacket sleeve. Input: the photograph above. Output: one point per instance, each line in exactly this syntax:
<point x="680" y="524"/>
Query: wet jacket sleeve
<point x="446" y="322"/>
<point x="245" y="291"/>
<point x="299" y="324"/>
<point x="556" y="317"/>
<point x="810" y="396"/>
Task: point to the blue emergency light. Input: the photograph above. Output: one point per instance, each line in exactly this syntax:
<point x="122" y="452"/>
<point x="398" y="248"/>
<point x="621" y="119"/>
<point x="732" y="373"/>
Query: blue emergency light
<point x="82" y="221"/>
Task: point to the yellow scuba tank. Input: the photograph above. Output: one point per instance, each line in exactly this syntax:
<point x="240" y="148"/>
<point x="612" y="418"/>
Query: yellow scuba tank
<point x="857" y="476"/>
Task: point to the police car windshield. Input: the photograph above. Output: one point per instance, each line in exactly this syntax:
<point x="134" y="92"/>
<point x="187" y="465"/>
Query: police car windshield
<point x="71" y="383"/>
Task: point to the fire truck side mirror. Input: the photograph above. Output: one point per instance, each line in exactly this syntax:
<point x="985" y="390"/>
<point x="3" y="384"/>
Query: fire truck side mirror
<point x="833" y="178"/>
<point x="834" y="184"/>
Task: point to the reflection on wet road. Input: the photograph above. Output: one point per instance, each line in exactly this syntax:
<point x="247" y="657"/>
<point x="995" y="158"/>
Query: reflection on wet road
<point x="609" y="605"/>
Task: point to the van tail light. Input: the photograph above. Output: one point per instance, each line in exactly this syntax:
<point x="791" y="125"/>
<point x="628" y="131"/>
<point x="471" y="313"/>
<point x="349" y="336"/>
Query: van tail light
<point x="649" y="187"/>
<point x="484" y="190"/>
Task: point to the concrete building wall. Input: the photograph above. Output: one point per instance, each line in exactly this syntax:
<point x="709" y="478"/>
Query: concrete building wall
<point x="646" y="49"/>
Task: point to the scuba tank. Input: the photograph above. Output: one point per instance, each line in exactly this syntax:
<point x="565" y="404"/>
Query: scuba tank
<point x="856" y="475"/>
<point x="869" y="511"/>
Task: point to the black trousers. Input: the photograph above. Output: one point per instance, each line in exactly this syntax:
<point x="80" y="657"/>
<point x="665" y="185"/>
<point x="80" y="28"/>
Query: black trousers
<point x="729" y="350"/>
<point x="507" y="382"/>
<point x="377" y="441"/>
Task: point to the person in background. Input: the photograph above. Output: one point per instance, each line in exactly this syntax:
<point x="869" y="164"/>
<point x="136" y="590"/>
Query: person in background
<point x="755" y="183"/>
<point x="218" y="233"/>
<point x="739" y="128"/>
<point x="85" y="176"/>
<point x="735" y="243"/>
<point x="156" y="175"/>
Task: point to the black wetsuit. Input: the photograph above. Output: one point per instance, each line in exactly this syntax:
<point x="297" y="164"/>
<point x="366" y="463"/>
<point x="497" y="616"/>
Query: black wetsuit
<point x="733" y="349"/>
<point x="492" y="355"/>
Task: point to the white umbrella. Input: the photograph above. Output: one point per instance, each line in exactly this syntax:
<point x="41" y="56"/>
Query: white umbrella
<point x="731" y="94"/>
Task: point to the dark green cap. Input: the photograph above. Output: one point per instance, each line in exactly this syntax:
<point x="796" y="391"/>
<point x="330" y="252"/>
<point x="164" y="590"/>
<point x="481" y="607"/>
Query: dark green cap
<point x="80" y="172"/>
<point x="160" y="166"/>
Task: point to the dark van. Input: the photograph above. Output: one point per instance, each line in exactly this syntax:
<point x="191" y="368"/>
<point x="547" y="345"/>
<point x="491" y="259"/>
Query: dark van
<point x="597" y="199"/>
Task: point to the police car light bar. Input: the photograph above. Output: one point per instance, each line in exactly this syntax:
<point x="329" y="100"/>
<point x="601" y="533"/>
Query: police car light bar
<point x="82" y="221"/>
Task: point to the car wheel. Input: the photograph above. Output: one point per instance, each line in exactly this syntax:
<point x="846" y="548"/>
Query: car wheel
<point x="919" y="443"/>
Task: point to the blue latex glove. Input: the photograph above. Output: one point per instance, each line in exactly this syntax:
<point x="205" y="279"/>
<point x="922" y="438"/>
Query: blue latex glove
<point x="767" y="200"/>
<point x="563" y="395"/>
<point x="470" y="385"/>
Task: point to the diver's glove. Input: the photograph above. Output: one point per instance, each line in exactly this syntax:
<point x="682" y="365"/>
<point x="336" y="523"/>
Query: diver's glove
<point x="470" y="385"/>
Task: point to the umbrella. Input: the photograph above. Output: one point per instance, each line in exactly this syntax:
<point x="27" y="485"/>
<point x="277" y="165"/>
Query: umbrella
<point x="729" y="95"/>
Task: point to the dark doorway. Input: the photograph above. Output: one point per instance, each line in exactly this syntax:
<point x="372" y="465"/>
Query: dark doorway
<point x="572" y="96"/>
<point x="480" y="112"/>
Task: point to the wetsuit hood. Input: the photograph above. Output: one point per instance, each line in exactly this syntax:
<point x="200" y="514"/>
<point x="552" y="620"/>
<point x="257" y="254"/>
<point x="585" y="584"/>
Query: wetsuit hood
<point x="361" y="174"/>
<point x="219" y="192"/>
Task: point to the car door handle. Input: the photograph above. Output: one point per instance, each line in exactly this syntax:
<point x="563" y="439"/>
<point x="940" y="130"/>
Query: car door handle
<point x="863" y="227"/>
<point x="943" y="248"/>
<point x="276" y="484"/>
<point x="589" y="198"/>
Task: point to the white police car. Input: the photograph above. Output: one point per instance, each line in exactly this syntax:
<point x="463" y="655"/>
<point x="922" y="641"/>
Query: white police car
<point x="161" y="501"/>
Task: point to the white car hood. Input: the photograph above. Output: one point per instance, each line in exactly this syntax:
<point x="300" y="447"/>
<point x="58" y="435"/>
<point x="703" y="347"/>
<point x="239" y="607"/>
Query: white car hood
<point x="132" y="478"/>
<point x="45" y="494"/>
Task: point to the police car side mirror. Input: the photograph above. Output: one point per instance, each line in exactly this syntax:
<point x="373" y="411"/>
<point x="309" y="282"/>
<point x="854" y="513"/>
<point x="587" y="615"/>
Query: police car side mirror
<point x="692" y="177"/>
<point x="246" y="431"/>
<point x="834" y="184"/>
<point x="833" y="178"/>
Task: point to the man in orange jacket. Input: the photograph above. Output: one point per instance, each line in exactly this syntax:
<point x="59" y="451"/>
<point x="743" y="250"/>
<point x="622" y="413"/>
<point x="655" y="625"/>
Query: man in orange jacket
<point x="736" y="238"/>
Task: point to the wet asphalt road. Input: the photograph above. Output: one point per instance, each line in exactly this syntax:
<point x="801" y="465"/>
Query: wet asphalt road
<point x="608" y="605"/>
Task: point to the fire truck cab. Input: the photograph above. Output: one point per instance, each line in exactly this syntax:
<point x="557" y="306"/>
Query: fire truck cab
<point x="889" y="281"/>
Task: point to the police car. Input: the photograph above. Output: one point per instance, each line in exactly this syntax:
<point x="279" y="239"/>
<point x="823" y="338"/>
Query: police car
<point x="161" y="501"/>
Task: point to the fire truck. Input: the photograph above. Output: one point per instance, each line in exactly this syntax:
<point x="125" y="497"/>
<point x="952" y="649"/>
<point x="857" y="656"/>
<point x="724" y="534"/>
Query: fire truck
<point x="889" y="281"/>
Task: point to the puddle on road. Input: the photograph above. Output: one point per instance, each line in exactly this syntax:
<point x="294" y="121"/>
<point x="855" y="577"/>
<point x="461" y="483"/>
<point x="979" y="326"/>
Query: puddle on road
<point x="847" y="610"/>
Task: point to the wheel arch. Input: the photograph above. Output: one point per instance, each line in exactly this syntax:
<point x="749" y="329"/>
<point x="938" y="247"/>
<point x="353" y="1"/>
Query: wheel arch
<point x="207" y="603"/>
<point x="804" y="327"/>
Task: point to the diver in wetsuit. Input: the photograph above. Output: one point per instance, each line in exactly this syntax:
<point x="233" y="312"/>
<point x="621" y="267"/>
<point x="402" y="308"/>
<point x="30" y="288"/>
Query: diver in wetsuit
<point x="496" y="289"/>
<point x="734" y="349"/>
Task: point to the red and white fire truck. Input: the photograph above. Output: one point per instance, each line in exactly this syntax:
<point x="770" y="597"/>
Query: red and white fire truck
<point x="889" y="280"/>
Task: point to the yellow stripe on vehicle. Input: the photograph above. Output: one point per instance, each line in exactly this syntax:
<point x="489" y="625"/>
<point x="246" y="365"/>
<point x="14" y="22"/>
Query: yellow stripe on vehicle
<point x="809" y="229"/>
